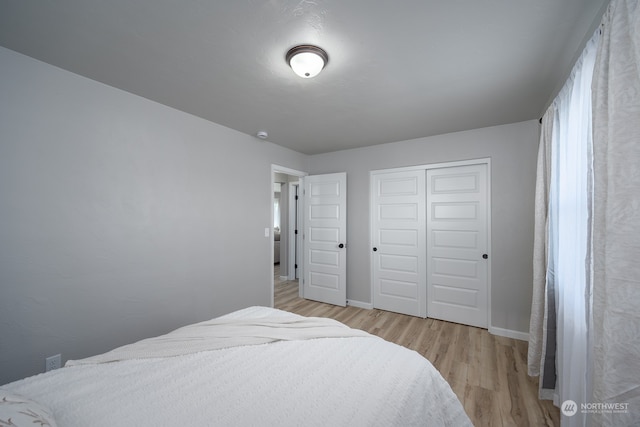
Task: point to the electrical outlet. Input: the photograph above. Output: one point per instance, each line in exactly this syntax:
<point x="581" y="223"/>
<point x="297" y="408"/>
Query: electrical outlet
<point x="52" y="362"/>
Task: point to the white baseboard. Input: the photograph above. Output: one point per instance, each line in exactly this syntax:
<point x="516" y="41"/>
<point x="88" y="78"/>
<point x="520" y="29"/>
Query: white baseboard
<point x="508" y="333"/>
<point x="360" y="304"/>
<point x="284" y="278"/>
<point x="522" y="336"/>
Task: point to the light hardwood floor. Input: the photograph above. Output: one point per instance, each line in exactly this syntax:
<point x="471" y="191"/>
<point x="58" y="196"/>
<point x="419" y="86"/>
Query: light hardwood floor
<point x="488" y="373"/>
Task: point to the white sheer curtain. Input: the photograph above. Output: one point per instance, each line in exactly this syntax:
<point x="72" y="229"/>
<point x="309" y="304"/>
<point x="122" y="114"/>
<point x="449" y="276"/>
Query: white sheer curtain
<point x="585" y="316"/>
<point x="559" y="327"/>
<point x="616" y="219"/>
<point x="569" y="226"/>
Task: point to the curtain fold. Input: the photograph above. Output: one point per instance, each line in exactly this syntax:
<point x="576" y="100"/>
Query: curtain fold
<point x="542" y="331"/>
<point x="616" y="217"/>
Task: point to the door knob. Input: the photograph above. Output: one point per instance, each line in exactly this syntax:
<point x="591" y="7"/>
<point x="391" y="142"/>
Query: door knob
<point x="485" y="256"/>
<point x="375" y="249"/>
<point x="341" y="245"/>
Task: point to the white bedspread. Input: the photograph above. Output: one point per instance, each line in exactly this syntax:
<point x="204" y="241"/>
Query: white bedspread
<point x="217" y="334"/>
<point x="355" y="381"/>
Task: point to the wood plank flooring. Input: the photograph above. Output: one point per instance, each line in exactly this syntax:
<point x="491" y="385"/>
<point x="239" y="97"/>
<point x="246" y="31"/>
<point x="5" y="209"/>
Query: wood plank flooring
<point x="488" y="373"/>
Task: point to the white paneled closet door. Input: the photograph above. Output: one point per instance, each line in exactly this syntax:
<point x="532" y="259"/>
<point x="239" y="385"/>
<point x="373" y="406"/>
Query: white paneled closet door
<point x="398" y="240"/>
<point x="457" y="244"/>
<point x="430" y="241"/>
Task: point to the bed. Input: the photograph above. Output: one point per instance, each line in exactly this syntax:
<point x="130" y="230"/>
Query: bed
<point x="254" y="367"/>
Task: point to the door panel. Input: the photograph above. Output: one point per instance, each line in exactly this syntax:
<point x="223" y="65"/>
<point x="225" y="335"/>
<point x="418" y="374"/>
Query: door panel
<point x="457" y="238"/>
<point x="398" y="235"/>
<point x="325" y="231"/>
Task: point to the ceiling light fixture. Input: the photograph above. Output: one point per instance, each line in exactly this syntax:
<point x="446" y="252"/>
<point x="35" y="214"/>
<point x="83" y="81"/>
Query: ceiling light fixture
<point x="307" y="60"/>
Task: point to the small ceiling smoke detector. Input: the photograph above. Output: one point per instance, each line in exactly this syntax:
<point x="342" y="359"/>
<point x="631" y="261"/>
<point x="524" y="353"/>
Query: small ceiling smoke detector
<point x="262" y="134"/>
<point x="307" y="60"/>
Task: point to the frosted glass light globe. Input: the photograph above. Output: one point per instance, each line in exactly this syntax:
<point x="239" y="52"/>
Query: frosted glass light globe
<point x="307" y="60"/>
<point x="307" y="64"/>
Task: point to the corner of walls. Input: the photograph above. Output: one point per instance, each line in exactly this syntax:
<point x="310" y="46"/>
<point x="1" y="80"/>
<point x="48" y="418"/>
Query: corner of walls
<point x="508" y="333"/>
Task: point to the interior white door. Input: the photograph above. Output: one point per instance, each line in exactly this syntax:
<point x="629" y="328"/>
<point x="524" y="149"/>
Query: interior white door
<point x="457" y="243"/>
<point x="325" y="238"/>
<point x="399" y="242"/>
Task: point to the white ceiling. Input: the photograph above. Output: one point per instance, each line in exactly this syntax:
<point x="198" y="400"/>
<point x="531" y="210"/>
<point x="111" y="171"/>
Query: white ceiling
<point x="397" y="69"/>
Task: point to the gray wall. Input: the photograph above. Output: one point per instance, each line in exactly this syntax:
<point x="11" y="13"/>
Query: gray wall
<point x="117" y="217"/>
<point x="512" y="149"/>
<point x="118" y="220"/>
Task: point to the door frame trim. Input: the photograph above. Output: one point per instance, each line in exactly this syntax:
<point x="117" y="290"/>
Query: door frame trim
<point x="288" y="171"/>
<point x="425" y="167"/>
<point x="293" y="220"/>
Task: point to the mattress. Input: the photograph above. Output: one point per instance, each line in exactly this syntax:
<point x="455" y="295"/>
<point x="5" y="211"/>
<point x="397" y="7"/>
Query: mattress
<point x="340" y="379"/>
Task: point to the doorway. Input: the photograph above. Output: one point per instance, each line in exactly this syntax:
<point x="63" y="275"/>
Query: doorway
<point x="285" y="216"/>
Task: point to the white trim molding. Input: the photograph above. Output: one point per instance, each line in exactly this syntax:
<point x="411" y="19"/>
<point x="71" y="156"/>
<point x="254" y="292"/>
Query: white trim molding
<point x="508" y="333"/>
<point x="360" y="304"/>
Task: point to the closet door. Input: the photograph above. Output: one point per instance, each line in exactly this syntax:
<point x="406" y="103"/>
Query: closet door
<point x="398" y="237"/>
<point x="457" y="244"/>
